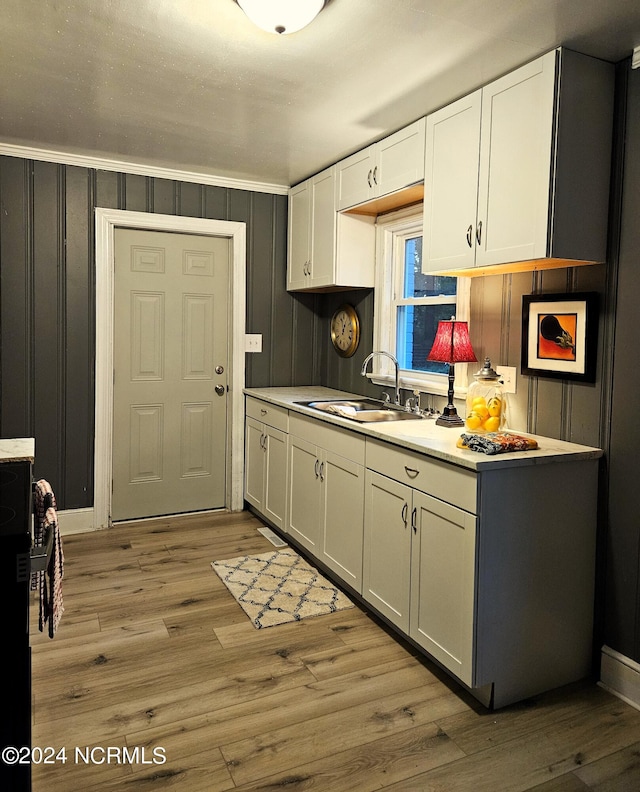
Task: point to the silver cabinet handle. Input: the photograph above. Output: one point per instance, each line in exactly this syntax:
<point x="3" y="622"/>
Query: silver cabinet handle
<point x="263" y="442"/>
<point x="369" y="178"/>
<point x="411" y="472"/>
<point x="405" y="510"/>
<point x="479" y="232"/>
<point x="322" y="471"/>
<point x="316" y="467"/>
<point x="375" y="175"/>
<point x="470" y="236"/>
<point x="414" y="515"/>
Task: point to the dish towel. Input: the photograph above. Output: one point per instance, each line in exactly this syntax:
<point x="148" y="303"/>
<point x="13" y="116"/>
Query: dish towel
<point x="49" y="582"/>
<point x="496" y="442"/>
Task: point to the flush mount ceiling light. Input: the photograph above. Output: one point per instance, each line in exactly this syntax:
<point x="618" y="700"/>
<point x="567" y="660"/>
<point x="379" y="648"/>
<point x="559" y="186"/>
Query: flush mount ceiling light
<point x="281" y="16"/>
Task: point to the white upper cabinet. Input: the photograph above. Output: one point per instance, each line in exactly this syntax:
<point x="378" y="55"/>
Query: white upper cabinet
<point x="519" y="171"/>
<point x="451" y="178"/>
<point x="327" y="249"/>
<point x="384" y="167"/>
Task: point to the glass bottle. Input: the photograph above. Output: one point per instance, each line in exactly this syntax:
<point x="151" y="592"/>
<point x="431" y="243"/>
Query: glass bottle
<point x="486" y="403"/>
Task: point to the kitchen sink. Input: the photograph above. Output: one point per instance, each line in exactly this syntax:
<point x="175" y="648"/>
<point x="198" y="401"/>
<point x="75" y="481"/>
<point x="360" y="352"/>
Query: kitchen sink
<point x="362" y="410"/>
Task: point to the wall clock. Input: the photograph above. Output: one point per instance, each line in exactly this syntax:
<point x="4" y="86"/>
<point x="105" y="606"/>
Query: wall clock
<point x="345" y="330"/>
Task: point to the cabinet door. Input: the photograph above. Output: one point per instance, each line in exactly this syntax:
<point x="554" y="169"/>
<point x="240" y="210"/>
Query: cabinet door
<point x="342" y="517"/>
<point x="323" y="229"/>
<point x="515" y="164"/>
<point x="387" y="548"/>
<point x="275" y="476"/>
<point x="451" y="185"/>
<point x="254" y="463"/>
<point x="400" y="159"/>
<point x="304" y="493"/>
<point x="299" y="235"/>
<point x="355" y="178"/>
<point x="443" y="583"/>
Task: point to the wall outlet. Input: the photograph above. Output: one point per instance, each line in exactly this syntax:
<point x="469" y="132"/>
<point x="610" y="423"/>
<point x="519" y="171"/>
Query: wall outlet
<point x="253" y="342"/>
<point x="508" y="377"/>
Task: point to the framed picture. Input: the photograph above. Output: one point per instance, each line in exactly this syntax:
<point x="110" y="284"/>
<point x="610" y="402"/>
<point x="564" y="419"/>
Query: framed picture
<point x="560" y="335"/>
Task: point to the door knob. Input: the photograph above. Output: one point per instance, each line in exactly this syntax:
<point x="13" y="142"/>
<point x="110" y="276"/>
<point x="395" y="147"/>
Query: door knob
<point x="219" y="389"/>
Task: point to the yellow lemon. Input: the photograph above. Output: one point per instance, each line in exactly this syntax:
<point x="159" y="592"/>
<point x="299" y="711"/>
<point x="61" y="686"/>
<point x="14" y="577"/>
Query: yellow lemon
<point x="495" y="406"/>
<point x="479" y="400"/>
<point x="483" y="412"/>
<point x="492" y="424"/>
<point x="473" y="420"/>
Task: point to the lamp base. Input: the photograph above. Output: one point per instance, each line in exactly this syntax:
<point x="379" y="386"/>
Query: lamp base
<point x="450" y="420"/>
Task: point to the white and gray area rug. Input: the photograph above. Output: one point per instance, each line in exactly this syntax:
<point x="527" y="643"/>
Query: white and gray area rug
<point x="279" y="587"/>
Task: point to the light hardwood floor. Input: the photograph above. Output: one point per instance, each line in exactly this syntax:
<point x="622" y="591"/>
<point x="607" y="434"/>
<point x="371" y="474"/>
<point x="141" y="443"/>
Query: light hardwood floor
<point x="153" y="652"/>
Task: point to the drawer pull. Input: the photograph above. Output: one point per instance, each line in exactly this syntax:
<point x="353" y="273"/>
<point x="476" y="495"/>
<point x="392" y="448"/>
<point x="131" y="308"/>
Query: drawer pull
<point x="263" y="412"/>
<point x="411" y="472"/>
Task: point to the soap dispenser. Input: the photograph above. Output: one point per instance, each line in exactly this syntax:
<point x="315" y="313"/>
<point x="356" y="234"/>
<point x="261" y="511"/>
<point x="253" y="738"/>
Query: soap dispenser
<point x="486" y="403"/>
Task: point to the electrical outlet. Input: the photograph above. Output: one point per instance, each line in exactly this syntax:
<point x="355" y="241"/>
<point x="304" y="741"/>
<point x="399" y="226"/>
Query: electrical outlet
<point x="508" y="377"/>
<point x="253" y="342"/>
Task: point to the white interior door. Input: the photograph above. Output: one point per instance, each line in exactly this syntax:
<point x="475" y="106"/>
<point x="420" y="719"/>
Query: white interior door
<point x="170" y="373"/>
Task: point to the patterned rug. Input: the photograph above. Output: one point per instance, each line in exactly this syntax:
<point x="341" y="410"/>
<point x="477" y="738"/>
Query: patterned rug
<point x="278" y="587"/>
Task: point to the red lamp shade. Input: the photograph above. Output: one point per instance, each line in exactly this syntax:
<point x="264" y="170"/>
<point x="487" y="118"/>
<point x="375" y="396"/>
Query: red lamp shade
<point x="452" y="344"/>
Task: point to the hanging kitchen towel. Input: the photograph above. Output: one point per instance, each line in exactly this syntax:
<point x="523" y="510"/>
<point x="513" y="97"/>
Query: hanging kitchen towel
<point x="49" y="582"/>
<point x="43" y="500"/>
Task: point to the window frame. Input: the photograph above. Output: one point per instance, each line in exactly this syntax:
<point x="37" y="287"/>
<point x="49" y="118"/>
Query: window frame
<point x="391" y="232"/>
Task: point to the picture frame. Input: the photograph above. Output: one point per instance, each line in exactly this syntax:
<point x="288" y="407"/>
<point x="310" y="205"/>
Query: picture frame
<point x="560" y="335"/>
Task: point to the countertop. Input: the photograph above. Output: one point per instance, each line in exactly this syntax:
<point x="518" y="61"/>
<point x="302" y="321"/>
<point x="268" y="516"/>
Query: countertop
<point x="21" y="449"/>
<point x="423" y="435"/>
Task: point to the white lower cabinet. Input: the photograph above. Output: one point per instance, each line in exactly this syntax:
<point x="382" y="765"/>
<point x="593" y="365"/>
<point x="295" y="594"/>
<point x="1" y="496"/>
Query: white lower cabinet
<point x="489" y="571"/>
<point x="326" y="496"/>
<point x="265" y="480"/>
<point x="441" y="614"/>
<point x="387" y="548"/>
<point x="419" y="559"/>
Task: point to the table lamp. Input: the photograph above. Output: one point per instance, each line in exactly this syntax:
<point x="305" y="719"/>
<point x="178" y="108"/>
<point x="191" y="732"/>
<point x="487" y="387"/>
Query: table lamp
<point x="451" y="345"/>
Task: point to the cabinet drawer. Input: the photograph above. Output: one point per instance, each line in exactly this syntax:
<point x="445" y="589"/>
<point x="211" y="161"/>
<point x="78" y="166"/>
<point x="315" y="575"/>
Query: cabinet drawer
<point x="270" y="414"/>
<point x="340" y="441"/>
<point x="440" y="479"/>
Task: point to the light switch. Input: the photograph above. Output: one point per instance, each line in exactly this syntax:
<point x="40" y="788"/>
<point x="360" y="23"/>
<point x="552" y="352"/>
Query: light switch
<point x="253" y="342"/>
<point x="508" y="377"/>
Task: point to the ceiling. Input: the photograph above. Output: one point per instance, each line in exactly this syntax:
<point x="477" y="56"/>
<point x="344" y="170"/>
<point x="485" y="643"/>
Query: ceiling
<point x="192" y="85"/>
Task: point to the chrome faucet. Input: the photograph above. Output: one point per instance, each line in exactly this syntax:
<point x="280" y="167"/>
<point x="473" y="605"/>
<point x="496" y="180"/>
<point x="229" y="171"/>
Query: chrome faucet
<point x="395" y="363"/>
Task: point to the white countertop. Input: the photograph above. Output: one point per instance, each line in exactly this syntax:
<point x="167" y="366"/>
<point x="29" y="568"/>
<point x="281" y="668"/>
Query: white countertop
<point x="423" y="435"/>
<point x="21" y="449"/>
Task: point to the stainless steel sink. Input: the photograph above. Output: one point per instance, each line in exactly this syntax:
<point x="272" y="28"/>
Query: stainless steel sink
<point x="362" y="410"/>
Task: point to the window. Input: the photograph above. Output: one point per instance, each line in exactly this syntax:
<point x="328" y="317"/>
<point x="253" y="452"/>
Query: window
<point x="409" y="305"/>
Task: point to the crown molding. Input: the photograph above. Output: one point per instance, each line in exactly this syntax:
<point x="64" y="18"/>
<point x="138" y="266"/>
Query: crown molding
<point x="100" y="163"/>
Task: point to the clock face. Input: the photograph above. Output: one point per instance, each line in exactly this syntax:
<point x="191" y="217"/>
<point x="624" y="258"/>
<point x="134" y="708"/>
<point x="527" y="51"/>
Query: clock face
<point x="345" y="331"/>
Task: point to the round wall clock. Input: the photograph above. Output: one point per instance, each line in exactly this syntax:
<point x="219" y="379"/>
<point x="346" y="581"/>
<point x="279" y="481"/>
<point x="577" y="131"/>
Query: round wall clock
<point x="345" y="330"/>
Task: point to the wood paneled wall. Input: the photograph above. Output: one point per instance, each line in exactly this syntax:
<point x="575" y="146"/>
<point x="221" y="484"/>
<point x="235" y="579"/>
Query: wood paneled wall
<point x="47" y="301"/>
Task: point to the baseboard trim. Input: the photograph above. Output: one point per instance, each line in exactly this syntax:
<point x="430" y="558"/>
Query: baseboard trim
<point x="620" y="676"/>
<point x="74" y="521"/>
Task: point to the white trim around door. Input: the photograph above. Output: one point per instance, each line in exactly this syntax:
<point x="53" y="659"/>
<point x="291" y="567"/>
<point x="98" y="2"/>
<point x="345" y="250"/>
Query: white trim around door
<point x="107" y="220"/>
